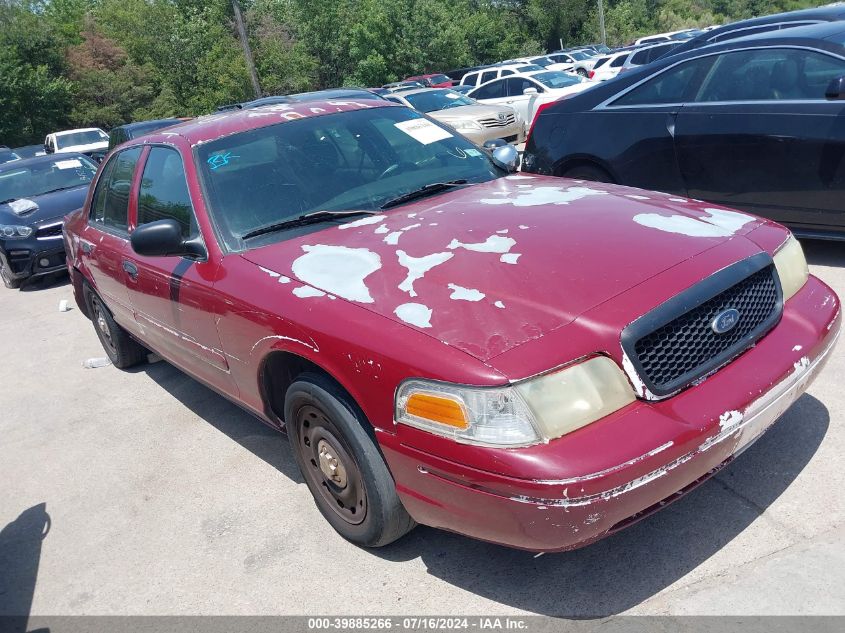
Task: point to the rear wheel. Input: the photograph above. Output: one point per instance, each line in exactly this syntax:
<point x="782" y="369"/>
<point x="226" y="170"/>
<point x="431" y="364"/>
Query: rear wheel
<point x="123" y="351"/>
<point x="341" y="464"/>
<point x="588" y="172"/>
<point x="582" y="72"/>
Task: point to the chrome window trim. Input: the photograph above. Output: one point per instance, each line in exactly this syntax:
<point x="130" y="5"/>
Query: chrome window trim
<point x="607" y="104"/>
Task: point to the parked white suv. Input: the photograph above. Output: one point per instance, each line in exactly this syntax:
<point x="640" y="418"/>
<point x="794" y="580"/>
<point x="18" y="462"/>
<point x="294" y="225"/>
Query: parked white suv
<point x="482" y="76"/>
<point x="82" y="141"/>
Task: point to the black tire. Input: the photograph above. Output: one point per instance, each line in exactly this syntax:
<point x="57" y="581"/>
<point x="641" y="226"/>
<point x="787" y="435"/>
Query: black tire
<point x="341" y="465"/>
<point x="8" y="280"/>
<point x="122" y="349"/>
<point x="582" y="72"/>
<point x="588" y="172"/>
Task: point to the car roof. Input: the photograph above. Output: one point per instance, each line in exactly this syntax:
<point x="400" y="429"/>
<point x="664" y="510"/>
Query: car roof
<point x="821" y="31"/>
<point x="213" y="126"/>
<point x="79" y="129"/>
<point x="417" y="91"/>
<point x="140" y="125"/>
<point x="36" y="160"/>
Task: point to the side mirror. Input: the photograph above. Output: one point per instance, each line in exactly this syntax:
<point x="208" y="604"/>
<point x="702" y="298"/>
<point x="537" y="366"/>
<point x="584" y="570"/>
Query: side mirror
<point x="530" y="91"/>
<point x="836" y="89"/>
<point x="506" y="157"/>
<point x="47" y="149"/>
<point x="163" y="238"/>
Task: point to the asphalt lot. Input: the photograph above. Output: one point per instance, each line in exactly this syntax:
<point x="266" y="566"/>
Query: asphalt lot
<point x="143" y="492"/>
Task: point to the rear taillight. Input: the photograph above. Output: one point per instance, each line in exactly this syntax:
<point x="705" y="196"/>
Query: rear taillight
<point x="591" y="74"/>
<point x="540" y="109"/>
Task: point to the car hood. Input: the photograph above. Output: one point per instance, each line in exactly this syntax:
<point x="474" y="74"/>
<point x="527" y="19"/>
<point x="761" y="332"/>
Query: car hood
<point x="34" y="210"/>
<point x="81" y="149"/>
<point x="470" y="112"/>
<point x="491" y="266"/>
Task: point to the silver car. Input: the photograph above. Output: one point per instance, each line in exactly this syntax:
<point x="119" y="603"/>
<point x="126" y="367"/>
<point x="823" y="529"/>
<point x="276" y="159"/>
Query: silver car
<point x="476" y="121"/>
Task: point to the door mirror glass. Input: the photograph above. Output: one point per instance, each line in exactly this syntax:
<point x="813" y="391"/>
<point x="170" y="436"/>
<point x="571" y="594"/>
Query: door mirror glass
<point x="836" y="89"/>
<point x="163" y="238"/>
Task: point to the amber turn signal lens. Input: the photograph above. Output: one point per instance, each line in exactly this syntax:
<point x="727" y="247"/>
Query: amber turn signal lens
<point x="437" y="409"/>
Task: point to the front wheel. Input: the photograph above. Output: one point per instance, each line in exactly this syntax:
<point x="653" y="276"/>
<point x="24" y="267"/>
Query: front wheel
<point x="341" y="465"/>
<point x="10" y="282"/>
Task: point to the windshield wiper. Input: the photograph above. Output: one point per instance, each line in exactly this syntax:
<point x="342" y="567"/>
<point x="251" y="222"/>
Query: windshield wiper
<point x="8" y="201"/>
<point x="61" y="189"/>
<point x="422" y="192"/>
<point x="314" y="217"/>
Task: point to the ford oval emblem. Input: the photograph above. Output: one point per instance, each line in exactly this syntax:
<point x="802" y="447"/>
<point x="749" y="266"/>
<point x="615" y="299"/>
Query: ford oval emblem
<point x="725" y="321"/>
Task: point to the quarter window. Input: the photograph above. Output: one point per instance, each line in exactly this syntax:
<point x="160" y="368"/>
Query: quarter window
<point x="488" y="76"/>
<point x="770" y="75"/>
<point x="675" y="85"/>
<point x="164" y="191"/>
<point x="110" y="208"/>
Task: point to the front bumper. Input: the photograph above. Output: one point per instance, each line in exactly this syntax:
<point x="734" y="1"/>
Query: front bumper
<point x="514" y="134"/>
<point x="32" y="257"/>
<point x="687" y="439"/>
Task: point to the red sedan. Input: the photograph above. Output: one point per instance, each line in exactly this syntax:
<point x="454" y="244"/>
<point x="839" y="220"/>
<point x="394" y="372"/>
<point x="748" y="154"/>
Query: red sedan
<point x="527" y="360"/>
<point x="433" y="80"/>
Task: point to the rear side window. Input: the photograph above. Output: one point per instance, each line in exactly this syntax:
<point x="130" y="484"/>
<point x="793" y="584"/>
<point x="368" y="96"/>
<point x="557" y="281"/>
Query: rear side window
<point x="640" y="57"/>
<point x="770" y="74"/>
<point x="507" y="72"/>
<point x="601" y="62"/>
<point x="494" y="90"/>
<point x="470" y="79"/>
<point x="164" y="191"/>
<point x="110" y="207"/>
<point x="617" y="62"/>
<point x="675" y="85"/>
<point x="488" y="76"/>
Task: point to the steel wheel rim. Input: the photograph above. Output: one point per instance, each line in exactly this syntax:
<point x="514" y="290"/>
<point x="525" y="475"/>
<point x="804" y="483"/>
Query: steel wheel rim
<point x="329" y="466"/>
<point x="102" y="325"/>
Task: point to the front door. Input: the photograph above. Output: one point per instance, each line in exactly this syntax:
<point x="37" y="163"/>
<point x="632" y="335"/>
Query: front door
<point x="173" y="297"/>
<point x="760" y="136"/>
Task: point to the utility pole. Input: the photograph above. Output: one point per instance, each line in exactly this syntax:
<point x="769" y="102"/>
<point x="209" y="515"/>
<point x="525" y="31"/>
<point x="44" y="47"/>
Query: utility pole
<point x="250" y="63"/>
<point x="601" y="23"/>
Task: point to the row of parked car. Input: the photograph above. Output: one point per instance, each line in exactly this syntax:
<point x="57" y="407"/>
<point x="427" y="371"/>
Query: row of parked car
<point x="530" y="360"/>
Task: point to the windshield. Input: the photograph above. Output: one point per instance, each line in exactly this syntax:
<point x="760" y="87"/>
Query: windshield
<point x="437" y="100"/>
<point x="579" y="56"/>
<point x="556" y="79"/>
<point x="45" y="176"/>
<point x="7" y="156"/>
<point x="80" y="138"/>
<point x="344" y="161"/>
<point x="440" y="79"/>
<point x="528" y="68"/>
<point x="542" y="61"/>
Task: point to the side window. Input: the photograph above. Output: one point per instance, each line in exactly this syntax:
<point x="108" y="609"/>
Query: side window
<point x="770" y="75"/>
<point x="675" y="85"/>
<point x="488" y="75"/>
<point x="164" y="191"/>
<point x="507" y="72"/>
<point x="470" y="79"/>
<point x="494" y="90"/>
<point x="641" y="57"/>
<point x="617" y="62"/>
<point x="110" y="208"/>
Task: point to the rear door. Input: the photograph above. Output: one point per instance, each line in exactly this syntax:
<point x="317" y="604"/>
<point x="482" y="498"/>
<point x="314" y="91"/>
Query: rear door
<point x="760" y="135"/>
<point x="173" y="297"/>
<point x="639" y="127"/>
<point x="105" y="239"/>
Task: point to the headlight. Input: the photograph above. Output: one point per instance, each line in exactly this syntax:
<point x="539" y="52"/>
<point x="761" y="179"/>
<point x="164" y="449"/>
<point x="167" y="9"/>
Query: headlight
<point x="791" y="266"/>
<point x="466" y="125"/>
<point x="535" y="410"/>
<point x="14" y="231"/>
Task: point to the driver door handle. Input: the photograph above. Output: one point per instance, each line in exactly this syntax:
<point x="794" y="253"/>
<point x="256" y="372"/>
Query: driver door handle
<point x="131" y="269"/>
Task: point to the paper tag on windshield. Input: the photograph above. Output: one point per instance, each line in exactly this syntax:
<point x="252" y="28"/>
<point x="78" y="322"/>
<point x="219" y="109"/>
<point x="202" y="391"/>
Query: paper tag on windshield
<point x="423" y="130"/>
<point x="473" y="152"/>
<point x="453" y="95"/>
<point x="71" y="163"/>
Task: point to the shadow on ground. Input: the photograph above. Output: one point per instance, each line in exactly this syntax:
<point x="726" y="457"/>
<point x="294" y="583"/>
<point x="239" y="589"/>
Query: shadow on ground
<point x="609" y="577"/>
<point x="20" y="554"/>
<point x="53" y="280"/>
<point x="824" y="252"/>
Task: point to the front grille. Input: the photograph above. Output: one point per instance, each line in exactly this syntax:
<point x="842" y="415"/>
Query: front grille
<point x="496" y="122"/>
<point x="685" y="347"/>
<point x="50" y="230"/>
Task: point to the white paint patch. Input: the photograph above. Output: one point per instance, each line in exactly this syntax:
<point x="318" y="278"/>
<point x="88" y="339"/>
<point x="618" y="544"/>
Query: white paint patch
<point x="419" y="266"/>
<point x="393" y="238"/>
<point x="411" y="226"/>
<point x="493" y="244"/>
<point x="510" y="258"/>
<point x="678" y="200"/>
<point x="499" y="304"/>
<point x="338" y="270"/>
<point x="412" y="215"/>
<point x="284" y="280"/>
<point x="459" y="293"/>
<point x="633" y="196"/>
<point x="797" y="348"/>
<point x="432" y="223"/>
<point x="718" y="223"/>
<point x="802" y="364"/>
<point x="272" y="273"/>
<point x="538" y="196"/>
<point x="382" y="229"/>
<point x="502" y="232"/>
<point x="729" y="420"/>
<point x="415" y="314"/>
<point x="518" y="177"/>
<point x="279" y="337"/>
<point x="523" y="226"/>
<point x="304" y="292"/>
<point x="370" y="219"/>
